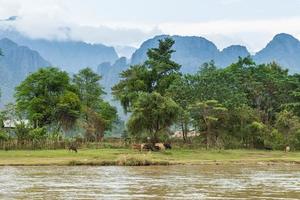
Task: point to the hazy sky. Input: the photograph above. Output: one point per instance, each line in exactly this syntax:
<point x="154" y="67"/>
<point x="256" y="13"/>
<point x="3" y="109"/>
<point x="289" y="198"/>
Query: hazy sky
<point x="129" y="22"/>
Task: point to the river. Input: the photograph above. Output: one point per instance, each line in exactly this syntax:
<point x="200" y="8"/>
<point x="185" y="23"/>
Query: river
<point x="152" y="182"/>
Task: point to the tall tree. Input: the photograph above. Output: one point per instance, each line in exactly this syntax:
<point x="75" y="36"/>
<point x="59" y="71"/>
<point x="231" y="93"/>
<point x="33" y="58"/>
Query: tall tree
<point x="98" y="114"/>
<point x="156" y="74"/>
<point x="42" y="93"/>
<point x="288" y="125"/>
<point x="87" y="83"/>
<point x="152" y="114"/>
<point x="208" y="112"/>
<point x="182" y="93"/>
<point x="68" y="109"/>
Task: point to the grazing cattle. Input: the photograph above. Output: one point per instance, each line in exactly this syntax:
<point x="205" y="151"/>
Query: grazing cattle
<point x="287" y="148"/>
<point x="148" y="147"/>
<point x="73" y="147"/>
<point x="160" y="146"/>
<point x="151" y="147"/>
<point x="167" y="145"/>
<point x="141" y="147"/>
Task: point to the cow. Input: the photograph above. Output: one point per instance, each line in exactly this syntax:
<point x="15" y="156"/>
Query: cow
<point x="143" y="146"/>
<point x="73" y="147"/>
<point x="287" y="148"/>
<point x="148" y="147"/>
<point x="160" y="146"/>
<point x="167" y="145"/>
<point x="151" y="147"/>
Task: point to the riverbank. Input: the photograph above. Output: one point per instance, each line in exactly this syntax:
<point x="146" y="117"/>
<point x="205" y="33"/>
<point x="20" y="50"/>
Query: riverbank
<point x="130" y="157"/>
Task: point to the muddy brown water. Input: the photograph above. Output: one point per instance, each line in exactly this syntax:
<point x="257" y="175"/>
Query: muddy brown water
<point x="151" y="182"/>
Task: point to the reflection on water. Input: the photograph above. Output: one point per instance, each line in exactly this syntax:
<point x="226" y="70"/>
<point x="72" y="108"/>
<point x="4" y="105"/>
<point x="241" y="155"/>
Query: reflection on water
<point x="153" y="182"/>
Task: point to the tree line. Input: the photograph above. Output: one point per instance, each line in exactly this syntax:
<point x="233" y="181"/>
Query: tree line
<point x="244" y="105"/>
<point x="56" y="104"/>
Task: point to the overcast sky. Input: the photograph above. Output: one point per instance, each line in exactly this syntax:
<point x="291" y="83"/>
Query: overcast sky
<point x="129" y="22"/>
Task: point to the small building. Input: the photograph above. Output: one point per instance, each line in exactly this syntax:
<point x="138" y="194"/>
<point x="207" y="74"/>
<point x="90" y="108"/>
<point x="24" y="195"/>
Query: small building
<point x="11" y="124"/>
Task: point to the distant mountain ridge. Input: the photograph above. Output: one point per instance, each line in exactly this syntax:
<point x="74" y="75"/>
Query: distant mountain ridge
<point x="191" y="53"/>
<point x="189" y="50"/>
<point x="283" y="49"/>
<point x="67" y="55"/>
<point x="15" y="64"/>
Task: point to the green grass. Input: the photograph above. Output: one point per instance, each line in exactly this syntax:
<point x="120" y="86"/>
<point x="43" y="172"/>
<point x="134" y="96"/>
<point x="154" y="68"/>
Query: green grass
<point x="132" y="157"/>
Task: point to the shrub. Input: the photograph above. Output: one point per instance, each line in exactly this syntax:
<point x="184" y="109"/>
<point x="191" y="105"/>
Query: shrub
<point x="274" y="139"/>
<point x="22" y="131"/>
<point x="295" y="140"/>
<point x="3" y="136"/>
<point x="37" y="134"/>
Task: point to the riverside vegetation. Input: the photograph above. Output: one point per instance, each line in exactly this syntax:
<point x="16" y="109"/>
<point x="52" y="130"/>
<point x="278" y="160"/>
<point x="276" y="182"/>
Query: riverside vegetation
<point x="242" y="106"/>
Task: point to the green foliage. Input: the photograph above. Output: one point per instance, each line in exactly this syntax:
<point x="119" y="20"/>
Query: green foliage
<point x="218" y="84"/>
<point x="68" y="109"/>
<point x="182" y="93"/>
<point x="155" y="75"/>
<point x="209" y="113"/>
<point x="1" y="54"/>
<point x="288" y="125"/>
<point x="143" y="90"/>
<point x="37" y="134"/>
<point x="134" y="81"/>
<point x="242" y="105"/>
<point x="98" y="115"/>
<point x="295" y="140"/>
<point x="108" y="113"/>
<point x="274" y="139"/>
<point x="42" y="97"/>
<point x="90" y="91"/>
<point x="22" y="132"/>
<point x="152" y="114"/>
<point x="3" y="135"/>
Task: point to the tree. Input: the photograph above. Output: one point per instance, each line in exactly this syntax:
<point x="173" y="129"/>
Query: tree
<point x="182" y="93"/>
<point x="90" y="91"/>
<point x="288" y="125"/>
<point x="135" y="80"/>
<point x="68" y="109"/>
<point x="156" y="74"/>
<point x="219" y="84"/>
<point x="293" y="95"/>
<point x="208" y="112"/>
<point x="163" y="70"/>
<point x="152" y="114"/>
<point x="239" y="124"/>
<point x="98" y="115"/>
<point x="99" y="121"/>
<point x="43" y="96"/>
<point x="269" y="88"/>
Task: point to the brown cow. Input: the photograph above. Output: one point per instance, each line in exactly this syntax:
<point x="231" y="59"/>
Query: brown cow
<point x="73" y="147"/>
<point x="160" y="146"/>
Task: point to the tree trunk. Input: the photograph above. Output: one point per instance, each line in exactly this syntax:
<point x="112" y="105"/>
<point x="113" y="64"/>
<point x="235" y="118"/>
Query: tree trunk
<point x="208" y="136"/>
<point x="184" y="132"/>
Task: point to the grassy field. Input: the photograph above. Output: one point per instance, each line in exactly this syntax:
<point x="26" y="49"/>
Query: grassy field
<point x="132" y="157"/>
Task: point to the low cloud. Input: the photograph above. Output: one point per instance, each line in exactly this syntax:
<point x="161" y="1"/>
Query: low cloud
<point x="55" y="19"/>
